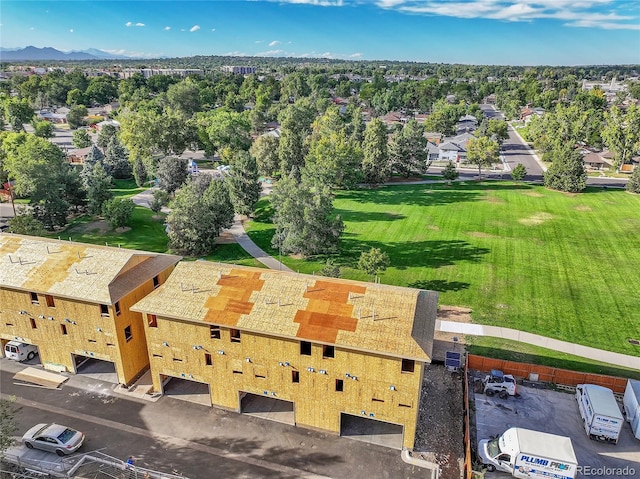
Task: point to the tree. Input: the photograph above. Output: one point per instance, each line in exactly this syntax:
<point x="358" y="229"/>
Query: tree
<point x="18" y="111"/>
<point x="224" y="129"/>
<point x="76" y="116"/>
<point x="24" y="223"/>
<point x="43" y="129"/>
<point x="265" y="151"/>
<point x="566" y="172"/>
<point x="160" y="199"/>
<point x="199" y="212"/>
<point x="244" y="186"/>
<point x="304" y="218"/>
<point x="334" y="160"/>
<point x="373" y="262"/>
<point x="519" y="172"/>
<point x="407" y="151"/>
<point x="330" y="269"/>
<point x="118" y="211"/>
<point x="171" y="173"/>
<point x="116" y="160"/>
<point x="450" y="173"/>
<point x="140" y="172"/>
<point x="497" y="130"/>
<point x="105" y="134"/>
<point x="81" y="139"/>
<point x="622" y="133"/>
<point x="94" y="157"/>
<point x="633" y="185"/>
<point x="8" y="424"/>
<point x="482" y="152"/>
<point x="99" y="190"/>
<point x="102" y="90"/>
<point x="295" y="126"/>
<point x="375" y="162"/>
<point x="184" y="97"/>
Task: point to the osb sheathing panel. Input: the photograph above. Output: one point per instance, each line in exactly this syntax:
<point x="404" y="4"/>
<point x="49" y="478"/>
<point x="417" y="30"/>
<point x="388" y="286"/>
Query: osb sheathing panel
<point x="375" y="374"/>
<point x="60" y="268"/>
<point x="376" y="318"/>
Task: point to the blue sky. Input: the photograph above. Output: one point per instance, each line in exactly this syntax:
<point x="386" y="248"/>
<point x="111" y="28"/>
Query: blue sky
<point x="515" y="32"/>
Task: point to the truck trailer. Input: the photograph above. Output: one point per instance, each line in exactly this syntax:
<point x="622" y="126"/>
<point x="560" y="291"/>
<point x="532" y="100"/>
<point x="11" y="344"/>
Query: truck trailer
<point x="525" y="453"/>
<point x="600" y="413"/>
<point x="632" y="405"/>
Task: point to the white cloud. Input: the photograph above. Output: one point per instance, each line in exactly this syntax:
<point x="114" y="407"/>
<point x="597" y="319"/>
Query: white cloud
<point x="71" y="30"/>
<point x="355" y="55"/>
<point x="194" y="28"/>
<point x="270" y="53"/>
<point x="213" y="29"/>
<point x="31" y="28"/>
<point x="258" y="41"/>
<point x="128" y="24"/>
<point x="167" y="28"/>
<point x="579" y="13"/>
<point x="131" y="24"/>
<point x="318" y="3"/>
<point x="139" y="24"/>
<point x="274" y="43"/>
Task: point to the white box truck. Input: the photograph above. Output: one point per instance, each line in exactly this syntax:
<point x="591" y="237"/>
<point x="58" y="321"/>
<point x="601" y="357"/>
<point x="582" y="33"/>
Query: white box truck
<point x="525" y="453"/>
<point x="631" y="403"/>
<point x="600" y="412"/>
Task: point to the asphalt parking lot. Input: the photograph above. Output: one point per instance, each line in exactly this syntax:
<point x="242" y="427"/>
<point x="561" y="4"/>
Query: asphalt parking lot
<point x="556" y="412"/>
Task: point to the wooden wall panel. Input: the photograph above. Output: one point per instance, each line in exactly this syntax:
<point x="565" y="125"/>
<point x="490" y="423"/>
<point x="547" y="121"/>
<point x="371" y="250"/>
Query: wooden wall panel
<point x="317" y="403"/>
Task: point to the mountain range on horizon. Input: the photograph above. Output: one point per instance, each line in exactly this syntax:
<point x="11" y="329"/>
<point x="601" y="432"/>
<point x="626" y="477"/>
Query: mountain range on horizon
<point x="49" y="53"/>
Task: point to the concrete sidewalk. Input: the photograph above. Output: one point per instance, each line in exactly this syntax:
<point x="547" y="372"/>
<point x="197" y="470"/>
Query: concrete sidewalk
<point x="631" y="362"/>
<point x="237" y="230"/>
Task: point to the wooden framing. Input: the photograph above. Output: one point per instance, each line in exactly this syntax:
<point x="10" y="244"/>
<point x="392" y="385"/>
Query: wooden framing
<point x="260" y="318"/>
<point x="64" y="297"/>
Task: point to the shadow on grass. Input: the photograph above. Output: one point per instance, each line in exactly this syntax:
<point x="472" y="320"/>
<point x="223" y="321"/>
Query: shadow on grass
<point x="570" y="364"/>
<point x="427" y="195"/>
<point x="403" y="254"/>
<point x="363" y="216"/>
<point x="440" y="285"/>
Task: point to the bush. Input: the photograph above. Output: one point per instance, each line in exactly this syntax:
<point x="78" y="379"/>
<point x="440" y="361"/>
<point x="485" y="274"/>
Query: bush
<point x="118" y="212"/>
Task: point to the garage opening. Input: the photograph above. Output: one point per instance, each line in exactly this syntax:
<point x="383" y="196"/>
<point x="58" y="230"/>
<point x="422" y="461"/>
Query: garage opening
<point x="268" y="407"/>
<point x="186" y="389"/>
<point x="373" y="431"/>
<point x="95" y="368"/>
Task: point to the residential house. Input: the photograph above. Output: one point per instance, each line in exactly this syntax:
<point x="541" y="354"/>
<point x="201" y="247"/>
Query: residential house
<point x="78" y="155"/>
<point x="450" y="151"/>
<point x="73" y="301"/>
<point x="434" y="137"/>
<point x="527" y="113"/>
<point x="59" y="118"/>
<point x="467" y="124"/>
<point x="594" y="161"/>
<point x="323" y="351"/>
<point x="433" y="152"/>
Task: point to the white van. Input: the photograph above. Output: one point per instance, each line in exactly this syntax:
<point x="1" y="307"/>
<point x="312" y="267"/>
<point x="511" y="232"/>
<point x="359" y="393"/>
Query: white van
<point x="20" y="351"/>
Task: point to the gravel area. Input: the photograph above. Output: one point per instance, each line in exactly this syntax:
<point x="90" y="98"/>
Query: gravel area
<point x="440" y="434"/>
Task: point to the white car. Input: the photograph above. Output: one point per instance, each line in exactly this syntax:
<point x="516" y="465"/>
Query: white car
<point x="53" y="438"/>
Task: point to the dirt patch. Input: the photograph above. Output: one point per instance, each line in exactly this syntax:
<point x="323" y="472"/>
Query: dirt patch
<point x="433" y="227"/>
<point x="100" y="226"/>
<point x="225" y="238"/>
<point x="443" y="341"/>
<point x="583" y="208"/>
<point x="439" y="435"/>
<point x="534" y="194"/>
<point x="494" y="199"/>
<point x="536" y="219"/>
<point x="123" y="229"/>
<point x="480" y="234"/>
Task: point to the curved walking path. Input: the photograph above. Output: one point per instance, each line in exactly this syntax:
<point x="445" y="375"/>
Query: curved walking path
<point x="473" y="329"/>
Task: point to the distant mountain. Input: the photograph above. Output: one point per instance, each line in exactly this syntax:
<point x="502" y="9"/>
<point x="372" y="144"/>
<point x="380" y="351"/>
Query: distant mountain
<point x="48" y="53"/>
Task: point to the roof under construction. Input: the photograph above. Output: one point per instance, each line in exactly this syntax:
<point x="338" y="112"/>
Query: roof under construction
<point x="85" y="272"/>
<point x="384" y="319"/>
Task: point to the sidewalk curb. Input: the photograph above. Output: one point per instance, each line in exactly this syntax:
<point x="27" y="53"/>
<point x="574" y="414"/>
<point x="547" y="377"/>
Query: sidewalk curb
<point x="432" y="466"/>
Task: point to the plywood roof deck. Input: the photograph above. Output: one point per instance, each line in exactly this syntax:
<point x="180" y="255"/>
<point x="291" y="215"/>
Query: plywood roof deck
<point x="79" y="271"/>
<point x="363" y="316"/>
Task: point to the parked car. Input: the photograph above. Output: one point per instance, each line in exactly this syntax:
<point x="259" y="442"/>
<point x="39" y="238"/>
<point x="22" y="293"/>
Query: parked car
<point x="20" y="351"/>
<point x="53" y="438"/>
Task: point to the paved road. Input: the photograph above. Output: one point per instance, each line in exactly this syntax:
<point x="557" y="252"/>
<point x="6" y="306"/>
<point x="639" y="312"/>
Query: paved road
<point x="172" y="435"/>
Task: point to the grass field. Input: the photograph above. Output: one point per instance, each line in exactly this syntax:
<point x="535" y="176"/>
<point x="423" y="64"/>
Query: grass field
<point x="560" y="265"/>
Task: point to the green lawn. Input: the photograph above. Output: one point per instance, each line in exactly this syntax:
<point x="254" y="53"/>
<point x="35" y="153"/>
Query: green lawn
<point x="560" y="265"/>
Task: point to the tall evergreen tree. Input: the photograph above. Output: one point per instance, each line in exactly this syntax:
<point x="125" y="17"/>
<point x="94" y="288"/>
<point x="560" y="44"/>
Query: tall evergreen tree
<point x="408" y="150"/>
<point x="633" y="185"/>
<point x="244" y="186"/>
<point x="94" y="157"/>
<point x="171" y="173"/>
<point x="295" y="126"/>
<point x="375" y="163"/>
<point x="116" y="159"/>
<point x="140" y="172"/>
<point x="99" y="190"/>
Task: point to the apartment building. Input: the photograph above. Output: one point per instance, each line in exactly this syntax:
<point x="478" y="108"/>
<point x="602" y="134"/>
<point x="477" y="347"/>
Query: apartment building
<point x="73" y="301"/>
<point x="325" y="350"/>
